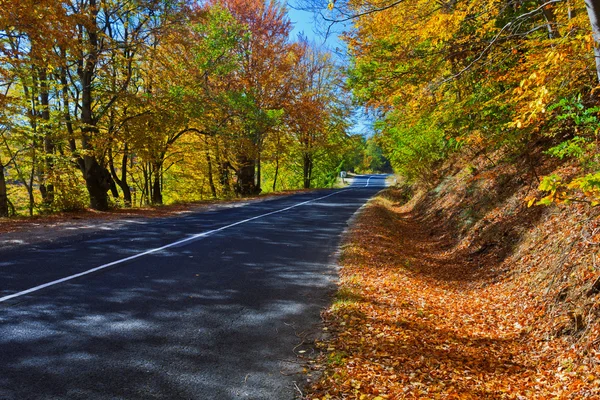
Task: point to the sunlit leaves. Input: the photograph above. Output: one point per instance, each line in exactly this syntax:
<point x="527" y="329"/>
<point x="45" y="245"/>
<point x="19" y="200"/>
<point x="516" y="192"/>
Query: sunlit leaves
<point x="482" y="69"/>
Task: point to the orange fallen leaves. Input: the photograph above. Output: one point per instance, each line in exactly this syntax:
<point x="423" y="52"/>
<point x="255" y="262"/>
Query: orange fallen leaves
<point x="417" y="318"/>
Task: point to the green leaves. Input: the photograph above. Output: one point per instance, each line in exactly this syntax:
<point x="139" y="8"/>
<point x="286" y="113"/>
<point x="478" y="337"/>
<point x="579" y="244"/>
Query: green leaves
<point x="575" y="147"/>
<point x="585" y="189"/>
<point x="572" y="109"/>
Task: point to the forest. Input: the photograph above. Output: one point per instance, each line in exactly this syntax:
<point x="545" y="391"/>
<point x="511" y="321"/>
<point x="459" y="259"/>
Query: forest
<point x="476" y="277"/>
<point x="474" y="77"/>
<point x="130" y="103"/>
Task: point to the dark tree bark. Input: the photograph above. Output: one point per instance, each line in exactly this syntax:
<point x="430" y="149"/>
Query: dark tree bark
<point x="122" y="181"/>
<point x="46" y="186"/>
<point x="98" y="182"/>
<point x="307" y="170"/>
<point x="3" y="194"/>
<point x="67" y="109"/>
<point x="276" y="172"/>
<point x="245" y="185"/>
<point x="211" y="182"/>
<point x="97" y="178"/>
<point x="551" y="24"/>
<point x="157" y="197"/>
<point x="146" y="187"/>
<point x="258" y="179"/>
<point x="593" y="10"/>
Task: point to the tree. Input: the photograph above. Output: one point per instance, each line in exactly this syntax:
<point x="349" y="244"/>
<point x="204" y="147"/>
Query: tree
<point x="593" y="10"/>
<point x="316" y="101"/>
<point x="188" y="93"/>
<point x="267" y="61"/>
<point x="130" y="97"/>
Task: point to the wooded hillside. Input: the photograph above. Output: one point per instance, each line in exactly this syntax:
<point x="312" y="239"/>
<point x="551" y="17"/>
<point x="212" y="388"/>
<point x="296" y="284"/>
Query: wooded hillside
<point x="478" y="276"/>
<point x="120" y="103"/>
<point x="454" y="76"/>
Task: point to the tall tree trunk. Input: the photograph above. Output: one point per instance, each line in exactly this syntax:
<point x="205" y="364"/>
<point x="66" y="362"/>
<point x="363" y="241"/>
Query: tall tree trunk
<point x="211" y="182"/>
<point x="276" y="172"/>
<point x="31" y="97"/>
<point x="122" y="181"/>
<point x="258" y="188"/>
<point x="593" y="10"/>
<point x="3" y="194"/>
<point x="223" y="172"/>
<point x="46" y="186"/>
<point x="29" y="185"/>
<point x="67" y="109"/>
<point x="277" y="154"/>
<point x="157" y="198"/>
<point x="124" y="184"/>
<point x="146" y="188"/>
<point x="308" y="163"/>
<point x="97" y="178"/>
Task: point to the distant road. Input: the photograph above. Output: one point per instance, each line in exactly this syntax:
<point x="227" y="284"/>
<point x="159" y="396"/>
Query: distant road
<point x="209" y="305"/>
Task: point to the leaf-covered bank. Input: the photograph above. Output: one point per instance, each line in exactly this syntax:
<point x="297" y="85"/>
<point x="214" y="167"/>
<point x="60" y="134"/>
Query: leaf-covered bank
<point x="448" y="77"/>
<point x="462" y="291"/>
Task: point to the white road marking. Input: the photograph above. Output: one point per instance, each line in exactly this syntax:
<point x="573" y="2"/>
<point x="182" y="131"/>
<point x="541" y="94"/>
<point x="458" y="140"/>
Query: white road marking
<point x="368" y="181"/>
<point x="158" y="249"/>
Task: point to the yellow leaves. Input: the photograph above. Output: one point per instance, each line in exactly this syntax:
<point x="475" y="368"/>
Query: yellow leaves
<point x="583" y="189"/>
<point x="331" y="5"/>
<point x="533" y="97"/>
<point x="442" y="26"/>
<point x="555" y="57"/>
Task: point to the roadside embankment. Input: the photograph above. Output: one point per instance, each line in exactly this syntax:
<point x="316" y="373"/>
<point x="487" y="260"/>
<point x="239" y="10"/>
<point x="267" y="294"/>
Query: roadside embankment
<point x="462" y="291"/>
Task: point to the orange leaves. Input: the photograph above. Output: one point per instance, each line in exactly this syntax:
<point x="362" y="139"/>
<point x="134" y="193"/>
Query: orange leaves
<point x="415" y="318"/>
<point x="409" y="336"/>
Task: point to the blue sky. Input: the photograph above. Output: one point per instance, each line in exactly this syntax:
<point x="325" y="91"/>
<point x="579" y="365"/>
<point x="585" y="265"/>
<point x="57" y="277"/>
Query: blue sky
<point x="304" y="23"/>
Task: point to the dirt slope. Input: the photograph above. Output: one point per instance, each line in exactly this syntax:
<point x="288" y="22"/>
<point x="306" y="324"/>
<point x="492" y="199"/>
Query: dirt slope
<point x="462" y="291"/>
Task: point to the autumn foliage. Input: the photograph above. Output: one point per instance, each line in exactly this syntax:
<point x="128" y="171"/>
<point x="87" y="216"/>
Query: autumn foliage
<point x="468" y="76"/>
<point x="113" y="104"/>
<point x="455" y="285"/>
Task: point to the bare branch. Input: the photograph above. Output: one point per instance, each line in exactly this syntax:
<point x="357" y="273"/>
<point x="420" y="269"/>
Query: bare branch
<point x="496" y="38"/>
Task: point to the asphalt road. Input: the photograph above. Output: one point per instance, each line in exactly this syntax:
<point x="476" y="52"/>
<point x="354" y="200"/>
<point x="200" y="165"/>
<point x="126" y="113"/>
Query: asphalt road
<point x="219" y="311"/>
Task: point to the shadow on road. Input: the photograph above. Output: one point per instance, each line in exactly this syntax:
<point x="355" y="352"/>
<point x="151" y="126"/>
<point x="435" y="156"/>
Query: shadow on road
<point x="218" y="318"/>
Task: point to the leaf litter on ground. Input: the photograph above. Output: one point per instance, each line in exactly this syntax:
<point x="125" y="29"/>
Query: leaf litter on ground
<point x="420" y="314"/>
